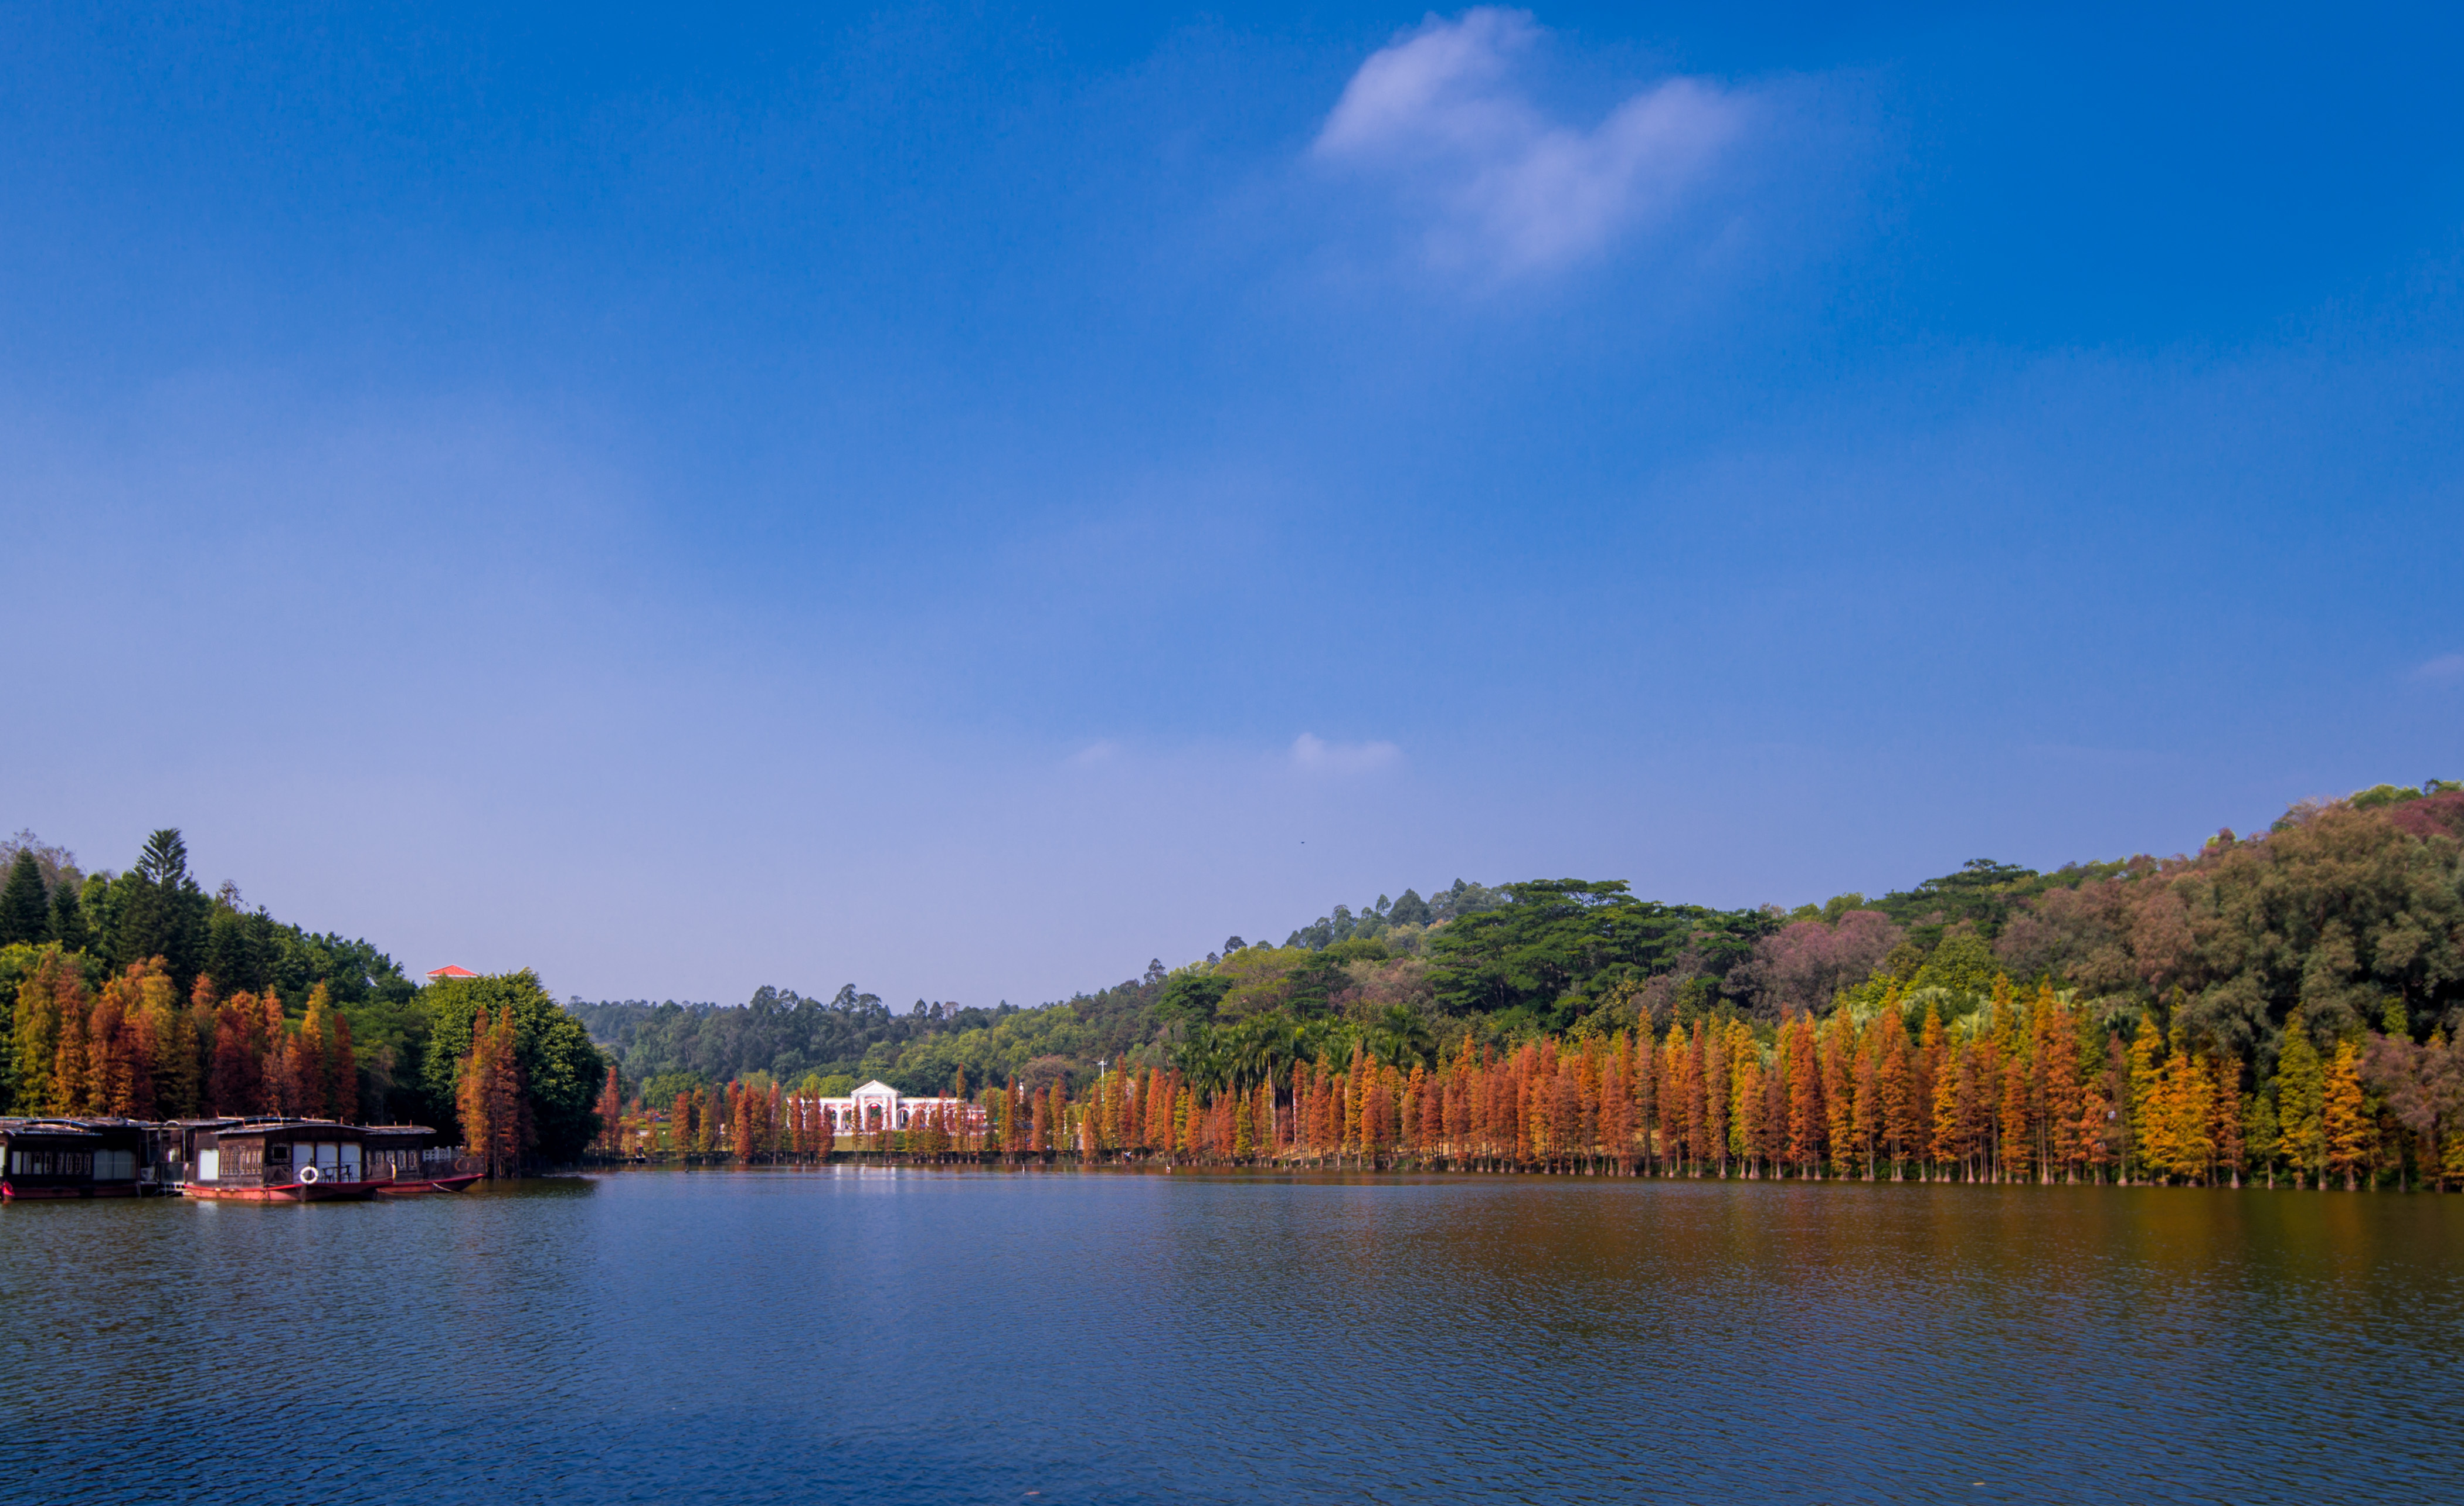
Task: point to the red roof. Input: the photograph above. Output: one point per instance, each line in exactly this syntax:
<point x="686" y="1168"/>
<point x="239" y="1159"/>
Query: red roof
<point x="449" y="970"/>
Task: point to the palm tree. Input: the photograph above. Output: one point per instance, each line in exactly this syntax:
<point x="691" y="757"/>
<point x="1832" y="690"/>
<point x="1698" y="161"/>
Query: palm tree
<point x="1400" y="1037"/>
<point x="1203" y="1057"/>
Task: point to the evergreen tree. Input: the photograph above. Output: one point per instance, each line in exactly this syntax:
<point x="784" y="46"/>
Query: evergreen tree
<point x="68" y="918"/>
<point x="161" y="911"/>
<point x="25" y="917"/>
<point x="173" y="1038"/>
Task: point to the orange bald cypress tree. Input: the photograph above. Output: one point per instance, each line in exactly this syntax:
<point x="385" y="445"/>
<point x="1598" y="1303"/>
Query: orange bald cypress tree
<point x="70" y="1084"/>
<point x="232" y="1086"/>
<point x="1946" y="1147"/>
<point x="2342" y="1116"/>
<point x="1924" y="1078"/>
<point x="106" y="1064"/>
<point x="1897" y="1083"/>
<point x="1752" y="1130"/>
<point x="611" y="1115"/>
<point x="2017" y="1141"/>
<point x="1805" y="1116"/>
<point x="306" y="1067"/>
<point x="2064" y="1101"/>
<point x="1865" y="1120"/>
<point x="1715" y="1102"/>
<point x="1838" y="1090"/>
<point x="281" y="1090"/>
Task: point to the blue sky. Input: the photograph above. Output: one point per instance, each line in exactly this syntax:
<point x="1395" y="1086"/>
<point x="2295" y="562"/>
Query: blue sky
<point x="963" y="501"/>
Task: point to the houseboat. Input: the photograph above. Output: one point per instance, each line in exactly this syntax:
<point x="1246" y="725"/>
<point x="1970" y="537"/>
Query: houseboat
<point x="62" y="1158"/>
<point x="280" y="1160"/>
<point x="175" y="1146"/>
<point x="410" y="1163"/>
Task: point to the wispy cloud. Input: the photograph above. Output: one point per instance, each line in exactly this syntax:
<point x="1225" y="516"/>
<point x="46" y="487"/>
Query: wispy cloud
<point x="1443" y="116"/>
<point x="1314" y="754"/>
<point x="2444" y="668"/>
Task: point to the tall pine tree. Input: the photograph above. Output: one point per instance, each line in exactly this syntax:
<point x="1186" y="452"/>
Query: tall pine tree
<point x="25" y="915"/>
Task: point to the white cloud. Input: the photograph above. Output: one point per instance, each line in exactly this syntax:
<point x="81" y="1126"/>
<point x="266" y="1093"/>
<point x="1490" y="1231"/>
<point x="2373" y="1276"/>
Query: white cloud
<point x="1102" y="751"/>
<point x="2446" y="666"/>
<point x="1441" y="115"/>
<point x="1314" y="754"/>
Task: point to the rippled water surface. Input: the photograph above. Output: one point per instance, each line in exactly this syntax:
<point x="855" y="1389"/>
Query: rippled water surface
<point x="979" y="1336"/>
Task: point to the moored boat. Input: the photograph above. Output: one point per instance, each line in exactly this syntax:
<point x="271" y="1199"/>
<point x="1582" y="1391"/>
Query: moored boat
<point x="281" y="1160"/>
<point x="412" y="1164"/>
<point x="45" y="1159"/>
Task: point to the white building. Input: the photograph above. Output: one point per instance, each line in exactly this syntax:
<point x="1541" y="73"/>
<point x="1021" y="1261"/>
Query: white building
<point x="878" y="1106"/>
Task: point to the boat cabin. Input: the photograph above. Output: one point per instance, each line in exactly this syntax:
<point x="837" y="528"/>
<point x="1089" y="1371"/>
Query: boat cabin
<point x="408" y="1152"/>
<point x="276" y="1153"/>
<point x="55" y="1158"/>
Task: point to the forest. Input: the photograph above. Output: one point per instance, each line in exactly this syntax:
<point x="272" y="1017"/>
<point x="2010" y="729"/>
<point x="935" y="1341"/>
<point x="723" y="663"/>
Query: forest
<point x="138" y="994"/>
<point x="2284" y="1004"/>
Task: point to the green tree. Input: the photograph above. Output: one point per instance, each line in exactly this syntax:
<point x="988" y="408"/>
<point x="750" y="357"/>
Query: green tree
<point x="559" y="1068"/>
<point x="1964" y="964"/>
<point x="1400" y="1037"/>
<point x="1190" y="999"/>
<point x="161" y="912"/>
<point x="1561" y="946"/>
<point x="68" y="918"/>
<point x="24" y="916"/>
<point x="2300" y="1100"/>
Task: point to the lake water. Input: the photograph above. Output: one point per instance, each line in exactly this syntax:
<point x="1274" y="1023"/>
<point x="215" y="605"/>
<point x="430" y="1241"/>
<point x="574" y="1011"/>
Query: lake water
<point x="1084" y="1336"/>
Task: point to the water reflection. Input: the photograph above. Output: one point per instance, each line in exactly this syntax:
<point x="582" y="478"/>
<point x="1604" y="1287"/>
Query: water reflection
<point x="930" y="1337"/>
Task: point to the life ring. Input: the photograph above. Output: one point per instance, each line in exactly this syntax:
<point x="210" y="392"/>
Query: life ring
<point x="308" y="1176"/>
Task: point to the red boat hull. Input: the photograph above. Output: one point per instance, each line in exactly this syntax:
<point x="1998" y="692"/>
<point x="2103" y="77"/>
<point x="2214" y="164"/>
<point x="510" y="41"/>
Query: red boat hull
<point x="427" y="1185"/>
<point x="287" y="1192"/>
<point x="16" y="1193"/>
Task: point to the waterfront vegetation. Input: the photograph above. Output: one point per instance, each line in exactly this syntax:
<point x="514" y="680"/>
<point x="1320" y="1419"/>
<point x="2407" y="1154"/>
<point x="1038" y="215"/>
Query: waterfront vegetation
<point x="2283" y="1007"/>
<point x="2280" y="1008"/>
<point x="140" y="995"/>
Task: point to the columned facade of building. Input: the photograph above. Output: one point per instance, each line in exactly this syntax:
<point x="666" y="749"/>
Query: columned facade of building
<point x="878" y="1106"/>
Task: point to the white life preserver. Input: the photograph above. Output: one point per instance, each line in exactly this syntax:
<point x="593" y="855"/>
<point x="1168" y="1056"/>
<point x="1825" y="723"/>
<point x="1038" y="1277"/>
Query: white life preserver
<point x="308" y="1175"/>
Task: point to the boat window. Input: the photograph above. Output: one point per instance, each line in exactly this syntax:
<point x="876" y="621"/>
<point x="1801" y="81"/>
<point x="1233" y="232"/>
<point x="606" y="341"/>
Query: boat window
<point x="51" y="1162"/>
<point x="115" y="1166"/>
<point x="209" y="1165"/>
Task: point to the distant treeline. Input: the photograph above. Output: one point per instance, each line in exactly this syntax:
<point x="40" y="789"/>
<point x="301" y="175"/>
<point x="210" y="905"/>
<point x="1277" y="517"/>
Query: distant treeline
<point x="2021" y="1090"/>
<point x="2342" y="925"/>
